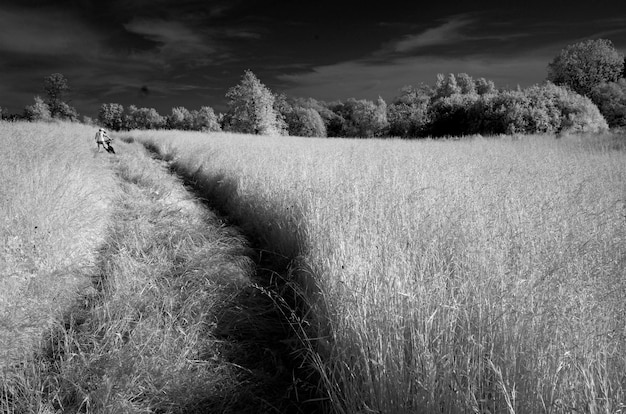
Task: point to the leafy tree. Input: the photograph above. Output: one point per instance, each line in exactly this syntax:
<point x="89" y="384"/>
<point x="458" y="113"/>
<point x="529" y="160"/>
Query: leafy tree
<point x="129" y="118"/>
<point x="466" y="83"/>
<point x="180" y="118"/>
<point x="39" y="111"/>
<point x="484" y="86"/>
<point x="148" y="118"/>
<point x="56" y="86"/>
<point x="206" y="120"/>
<point x="584" y="65"/>
<point x="111" y="115"/>
<point x="446" y="86"/>
<point x="611" y="100"/>
<point x="306" y="122"/>
<point x="408" y="112"/>
<point x="251" y="107"/>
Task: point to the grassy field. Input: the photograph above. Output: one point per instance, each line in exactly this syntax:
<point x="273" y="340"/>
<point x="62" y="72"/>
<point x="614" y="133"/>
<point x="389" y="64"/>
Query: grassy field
<point x="55" y="197"/>
<point x="479" y="275"/>
<point x="164" y="316"/>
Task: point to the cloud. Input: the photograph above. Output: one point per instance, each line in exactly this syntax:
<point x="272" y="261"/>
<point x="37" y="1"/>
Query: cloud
<point x="174" y="38"/>
<point x="449" y="32"/>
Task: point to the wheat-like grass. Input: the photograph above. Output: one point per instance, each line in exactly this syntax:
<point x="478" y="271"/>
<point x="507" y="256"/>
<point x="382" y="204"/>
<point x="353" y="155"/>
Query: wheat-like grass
<point x="483" y="275"/>
<point x="55" y="196"/>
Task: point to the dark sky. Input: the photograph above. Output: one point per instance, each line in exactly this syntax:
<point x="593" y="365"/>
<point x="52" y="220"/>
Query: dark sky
<point x="165" y="53"/>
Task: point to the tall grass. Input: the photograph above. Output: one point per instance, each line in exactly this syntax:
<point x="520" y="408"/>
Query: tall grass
<point x="484" y="275"/>
<point x="55" y="195"/>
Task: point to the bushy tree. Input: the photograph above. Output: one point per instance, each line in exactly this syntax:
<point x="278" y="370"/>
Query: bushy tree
<point x="584" y="65"/>
<point x="148" y="118"/>
<point x="111" y="116"/>
<point x="180" y="118"/>
<point x="408" y="113"/>
<point x="610" y="97"/>
<point x="305" y="122"/>
<point x="56" y="86"/>
<point x="205" y="120"/>
<point x="39" y="111"/>
<point x="251" y="107"/>
<point x="446" y="86"/>
<point x="484" y="86"/>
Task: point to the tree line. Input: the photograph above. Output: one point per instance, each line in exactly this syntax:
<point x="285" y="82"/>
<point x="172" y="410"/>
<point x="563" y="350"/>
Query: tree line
<point x="585" y="91"/>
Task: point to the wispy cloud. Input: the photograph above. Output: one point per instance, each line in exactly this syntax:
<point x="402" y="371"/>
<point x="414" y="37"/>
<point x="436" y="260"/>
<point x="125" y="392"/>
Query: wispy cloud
<point x="173" y="38"/>
<point x="446" y="33"/>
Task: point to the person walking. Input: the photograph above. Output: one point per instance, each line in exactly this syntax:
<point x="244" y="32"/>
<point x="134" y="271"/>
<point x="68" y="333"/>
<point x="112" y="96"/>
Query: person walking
<point x="102" y="138"/>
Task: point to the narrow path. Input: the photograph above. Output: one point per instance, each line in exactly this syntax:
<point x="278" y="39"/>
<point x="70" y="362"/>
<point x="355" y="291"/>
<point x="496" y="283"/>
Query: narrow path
<point x="176" y="322"/>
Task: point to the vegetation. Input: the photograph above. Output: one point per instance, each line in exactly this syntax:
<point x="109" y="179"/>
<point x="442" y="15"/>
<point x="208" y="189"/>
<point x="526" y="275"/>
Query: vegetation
<point x="251" y="108"/>
<point x="122" y="293"/>
<point x="440" y="276"/>
<point x="54" y="210"/>
<point x="586" y="64"/>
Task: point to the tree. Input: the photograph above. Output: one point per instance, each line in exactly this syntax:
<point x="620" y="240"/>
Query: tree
<point x="306" y="122"/>
<point x="584" y="65"/>
<point x="484" y="86"/>
<point x="148" y="118"/>
<point x="56" y="86"/>
<point x="611" y="101"/>
<point x="206" y="120"/>
<point x="180" y="118"/>
<point x="39" y="111"/>
<point x="251" y="107"/>
<point x="111" y="115"/>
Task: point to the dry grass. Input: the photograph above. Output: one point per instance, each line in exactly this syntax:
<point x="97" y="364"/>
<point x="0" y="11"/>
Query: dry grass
<point x="54" y="208"/>
<point x="174" y="323"/>
<point x="484" y="275"/>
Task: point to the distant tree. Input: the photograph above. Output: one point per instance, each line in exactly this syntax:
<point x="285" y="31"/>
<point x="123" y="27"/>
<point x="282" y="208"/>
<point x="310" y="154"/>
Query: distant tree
<point x="408" y="113"/>
<point x="206" y="120"/>
<point x="445" y="87"/>
<point x="610" y="97"/>
<point x="251" y="107"/>
<point x="129" y="118"/>
<point x="56" y="86"/>
<point x="39" y="111"/>
<point x="466" y="83"/>
<point x="180" y="118"/>
<point x="111" y="115"/>
<point x="484" y="86"/>
<point x="87" y="120"/>
<point x="584" y="65"/>
<point x="148" y="118"/>
<point x="365" y="118"/>
<point x="306" y="122"/>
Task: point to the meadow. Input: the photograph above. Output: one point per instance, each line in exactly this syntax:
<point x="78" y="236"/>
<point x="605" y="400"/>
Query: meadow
<point x="480" y="275"/>
<point x="55" y="199"/>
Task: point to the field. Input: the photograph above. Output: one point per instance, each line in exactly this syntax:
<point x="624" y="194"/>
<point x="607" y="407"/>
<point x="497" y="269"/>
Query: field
<point x="54" y="202"/>
<point x="480" y="275"/>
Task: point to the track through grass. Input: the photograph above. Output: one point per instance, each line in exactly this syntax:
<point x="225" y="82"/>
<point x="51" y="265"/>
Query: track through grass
<point x="176" y="322"/>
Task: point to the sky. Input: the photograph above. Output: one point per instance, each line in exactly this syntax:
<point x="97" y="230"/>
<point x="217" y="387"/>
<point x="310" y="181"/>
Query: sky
<point x="167" y="53"/>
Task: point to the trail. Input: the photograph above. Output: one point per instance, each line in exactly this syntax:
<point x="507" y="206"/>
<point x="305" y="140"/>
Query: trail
<point x="180" y="318"/>
<point x="243" y="342"/>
